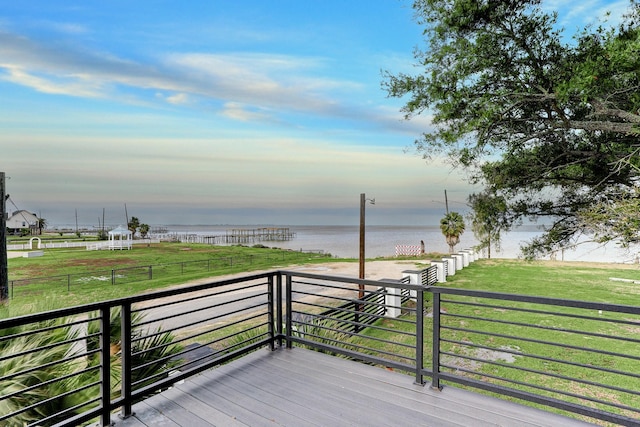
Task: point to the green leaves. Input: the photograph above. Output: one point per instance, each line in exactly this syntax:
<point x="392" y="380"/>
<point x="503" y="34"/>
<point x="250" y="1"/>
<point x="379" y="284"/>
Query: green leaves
<point x="561" y="121"/>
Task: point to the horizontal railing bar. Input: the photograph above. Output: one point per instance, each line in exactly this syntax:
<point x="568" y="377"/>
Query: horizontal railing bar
<point x="206" y="308"/>
<point x="46" y="365"/>
<point x="198" y="297"/>
<point x="361" y="347"/>
<point x="540" y="399"/>
<point x="206" y="320"/>
<point x="535" y="371"/>
<point x="355" y="355"/>
<point x="549" y="390"/>
<point x="551" y="359"/>
<point x="628" y="309"/>
<point x="545" y="312"/>
<point x="550" y="343"/>
<point x="43" y="329"/>
<point x="351" y="301"/>
<point x="581" y="365"/>
<point x="371" y="314"/>
<point x="352" y="333"/>
<point x="172" y="356"/>
<point x="81" y="309"/>
<point x="47" y="382"/>
<point x="354" y="323"/>
<point x="346" y="311"/>
<point x="69" y="410"/>
<point x="208" y="331"/>
<point x="143" y="391"/>
<point x="546" y="328"/>
<point x="49" y="400"/>
<point x="342" y="279"/>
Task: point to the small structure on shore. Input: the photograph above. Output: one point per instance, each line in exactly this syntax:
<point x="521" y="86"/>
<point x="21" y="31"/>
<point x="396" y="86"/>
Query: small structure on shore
<point x="120" y="238"/>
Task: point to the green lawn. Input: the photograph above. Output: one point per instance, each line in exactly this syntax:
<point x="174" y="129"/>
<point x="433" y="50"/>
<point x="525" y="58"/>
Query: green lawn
<point x="569" y="281"/>
<point x="77" y="276"/>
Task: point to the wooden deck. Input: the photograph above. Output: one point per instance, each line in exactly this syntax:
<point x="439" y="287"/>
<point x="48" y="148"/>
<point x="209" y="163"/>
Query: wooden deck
<point x="300" y="387"/>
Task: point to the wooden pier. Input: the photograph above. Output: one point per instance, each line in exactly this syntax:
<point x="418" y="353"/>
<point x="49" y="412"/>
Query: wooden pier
<point x="252" y="235"/>
<point x="234" y="236"/>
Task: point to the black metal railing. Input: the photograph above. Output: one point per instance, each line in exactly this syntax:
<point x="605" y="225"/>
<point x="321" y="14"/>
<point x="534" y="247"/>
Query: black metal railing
<point x="575" y="356"/>
<point x="78" y="365"/>
<point x="315" y="322"/>
<point x="74" y="365"/>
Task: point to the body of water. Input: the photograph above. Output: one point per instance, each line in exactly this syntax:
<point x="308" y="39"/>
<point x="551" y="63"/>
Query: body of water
<point x="381" y="241"/>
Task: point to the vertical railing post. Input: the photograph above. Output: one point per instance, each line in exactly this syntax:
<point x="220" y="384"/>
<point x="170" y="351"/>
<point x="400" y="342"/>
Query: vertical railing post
<point x="435" y="384"/>
<point x="113" y="277"/>
<point x="125" y="351"/>
<point x="105" y="365"/>
<point x="151" y="272"/>
<point x="270" y="312"/>
<point x="289" y="313"/>
<point x="419" y="336"/>
<point x="279" y="307"/>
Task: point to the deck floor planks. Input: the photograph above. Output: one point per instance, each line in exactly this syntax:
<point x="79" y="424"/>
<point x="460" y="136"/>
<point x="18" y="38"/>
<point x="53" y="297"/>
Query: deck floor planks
<point x="454" y="399"/>
<point x="395" y="390"/>
<point x="357" y="395"/>
<point x="304" y="388"/>
<point x="330" y="399"/>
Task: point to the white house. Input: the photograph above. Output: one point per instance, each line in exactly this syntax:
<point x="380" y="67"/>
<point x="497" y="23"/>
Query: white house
<point x="22" y="219"/>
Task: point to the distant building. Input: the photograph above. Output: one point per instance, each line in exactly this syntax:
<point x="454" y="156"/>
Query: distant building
<point x="22" y="219"/>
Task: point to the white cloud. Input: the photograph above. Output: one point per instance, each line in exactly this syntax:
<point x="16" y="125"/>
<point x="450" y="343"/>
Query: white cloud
<point x="178" y="99"/>
<point x="238" y="111"/>
<point x="71" y="85"/>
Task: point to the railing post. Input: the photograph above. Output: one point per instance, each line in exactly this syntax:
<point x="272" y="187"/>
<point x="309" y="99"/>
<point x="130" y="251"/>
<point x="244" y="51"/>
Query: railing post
<point x="435" y="383"/>
<point x="289" y="305"/>
<point x="279" y="307"/>
<point x="113" y="277"/>
<point x="151" y="272"/>
<point x="270" y="312"/>
<point x="125" y="351"/>
<point x="419" y="336"/>
<point x="105" y="365"/>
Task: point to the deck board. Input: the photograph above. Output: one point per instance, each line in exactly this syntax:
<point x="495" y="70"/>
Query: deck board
<point x="300" y="387"/>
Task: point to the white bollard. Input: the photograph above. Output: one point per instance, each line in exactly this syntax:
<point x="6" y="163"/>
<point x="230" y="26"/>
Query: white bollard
<point x="442" y="278"/>
<point x="459" y="261"/>
<point x="465" y="258"/>
<point x="414" y="279"/>
<point x="393" y="302"/>
<point x="451" y="265"/>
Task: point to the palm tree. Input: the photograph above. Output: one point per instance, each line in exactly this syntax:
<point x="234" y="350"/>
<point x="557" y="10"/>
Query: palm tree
<point x="41" y="224"/>
<point x="452" y="226"/>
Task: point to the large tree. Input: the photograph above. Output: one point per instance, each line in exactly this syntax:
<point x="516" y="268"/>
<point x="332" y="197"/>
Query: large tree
<point x="550" y="124"/>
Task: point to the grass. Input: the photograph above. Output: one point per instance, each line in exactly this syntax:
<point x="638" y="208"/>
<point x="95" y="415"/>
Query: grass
<point x="570" y="281"/>
<point x="76" y="276"/>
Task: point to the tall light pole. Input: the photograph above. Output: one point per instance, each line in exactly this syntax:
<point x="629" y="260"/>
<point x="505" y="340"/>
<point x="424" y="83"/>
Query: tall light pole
<point x="363" y="201"/>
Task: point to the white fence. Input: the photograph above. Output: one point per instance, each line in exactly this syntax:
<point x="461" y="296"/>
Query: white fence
<point x="93" y="245"/>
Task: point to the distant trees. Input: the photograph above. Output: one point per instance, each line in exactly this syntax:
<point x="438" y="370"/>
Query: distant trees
<point x="452" y="227"/>
<point x="487" y="219"/>
<point x="41" y="224"/>
<point x="134" y="225"/>
<point x="144" y="230"/>
<point x="551" y="127"/>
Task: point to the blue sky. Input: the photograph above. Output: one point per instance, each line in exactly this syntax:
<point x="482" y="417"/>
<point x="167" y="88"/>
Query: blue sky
<point x="219" y="112"/>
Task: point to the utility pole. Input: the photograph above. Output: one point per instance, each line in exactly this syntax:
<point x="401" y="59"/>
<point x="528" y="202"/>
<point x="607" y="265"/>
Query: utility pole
<point x="4" y="271"/>
<point x="363" y="201"/>
<point x="446" y="201"/>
